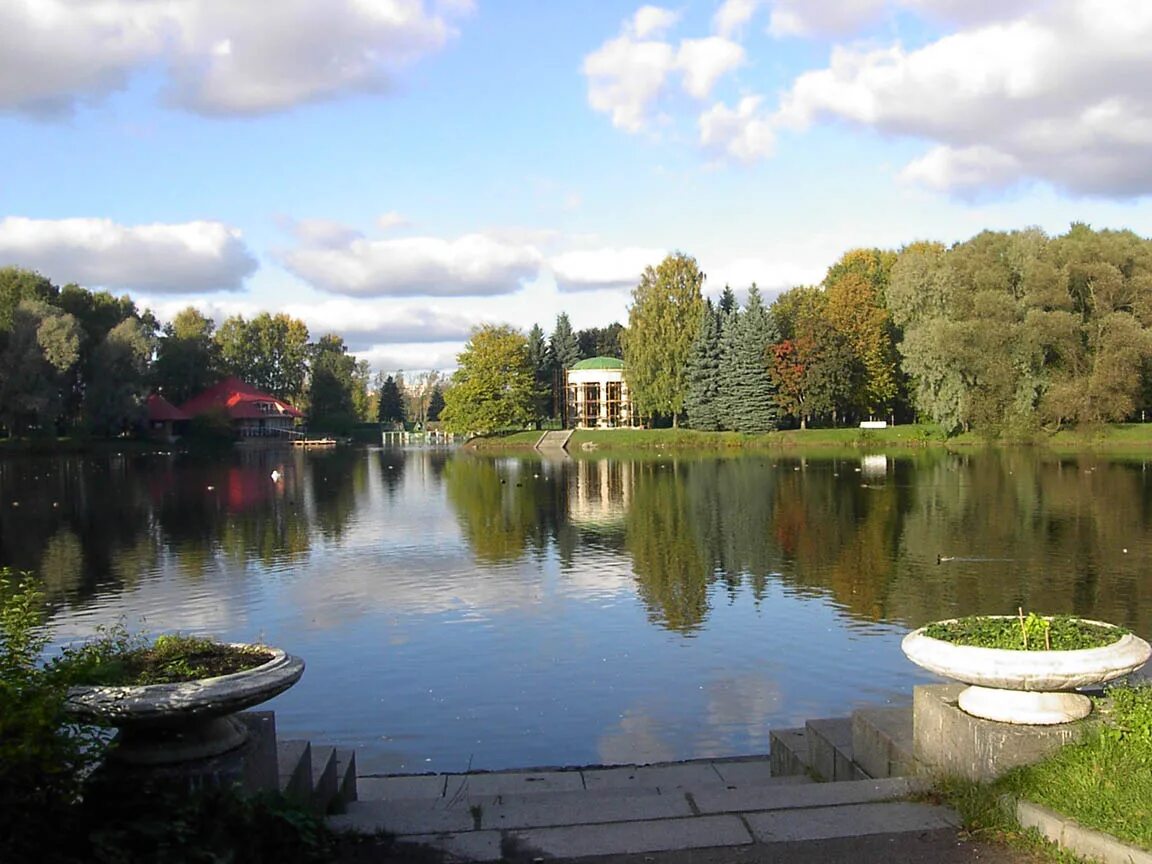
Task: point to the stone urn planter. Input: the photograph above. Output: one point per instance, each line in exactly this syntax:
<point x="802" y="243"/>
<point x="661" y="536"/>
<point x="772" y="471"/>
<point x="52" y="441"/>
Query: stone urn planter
<point x="167" y="723"/>
<point x="1030" y="686"/>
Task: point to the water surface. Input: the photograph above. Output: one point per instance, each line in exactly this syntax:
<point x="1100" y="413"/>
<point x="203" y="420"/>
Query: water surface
<point x="459" y="611"/>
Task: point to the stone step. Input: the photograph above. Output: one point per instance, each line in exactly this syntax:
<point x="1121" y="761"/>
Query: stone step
<point x="830" y="749"/>
<point x="294" y="763"/>
<point x="325" y="782"/>
<point x="789" y="755"/>
<point x="691" y="832"/>
<point x="504" y="811"/>
<point x="882" y="741"/>
<point x="684" y="776"/>
<point x="346" y="776"/>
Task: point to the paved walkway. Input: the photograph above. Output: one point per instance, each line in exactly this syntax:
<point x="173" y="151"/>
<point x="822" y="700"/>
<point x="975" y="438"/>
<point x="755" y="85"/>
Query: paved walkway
<point x="725" y="810"/>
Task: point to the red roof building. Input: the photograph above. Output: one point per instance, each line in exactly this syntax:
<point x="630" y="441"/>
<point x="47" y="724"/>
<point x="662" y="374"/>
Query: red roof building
<point x="253" y="413"/>
<point x="163" y="417"/>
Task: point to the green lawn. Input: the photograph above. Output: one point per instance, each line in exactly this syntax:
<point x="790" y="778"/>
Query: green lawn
<point x="1104" y="782"/>
<point x="1117" y="438"/>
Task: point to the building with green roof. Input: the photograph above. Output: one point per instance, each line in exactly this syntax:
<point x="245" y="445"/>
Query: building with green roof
<point x="597" y="395"/>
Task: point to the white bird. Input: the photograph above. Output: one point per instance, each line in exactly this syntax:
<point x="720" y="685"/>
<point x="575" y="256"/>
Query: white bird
<point x="275" y="476"/>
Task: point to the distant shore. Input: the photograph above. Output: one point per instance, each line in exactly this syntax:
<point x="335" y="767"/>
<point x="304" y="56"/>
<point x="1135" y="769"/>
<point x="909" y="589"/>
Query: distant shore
<point x="1120" y="438"/>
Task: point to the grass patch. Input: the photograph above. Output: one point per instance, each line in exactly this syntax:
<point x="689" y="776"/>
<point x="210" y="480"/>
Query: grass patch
<point x="1034" y="633"/>
<point x="1103" y="782"/>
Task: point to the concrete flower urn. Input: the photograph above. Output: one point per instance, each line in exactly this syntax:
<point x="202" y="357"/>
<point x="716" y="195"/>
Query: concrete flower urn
<point x="1027" y="687"/>
<point x="167" y="723"/>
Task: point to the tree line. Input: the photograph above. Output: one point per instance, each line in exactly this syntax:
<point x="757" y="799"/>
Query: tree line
<point x="1008" y="332"/>
<point x="74" y="360"/>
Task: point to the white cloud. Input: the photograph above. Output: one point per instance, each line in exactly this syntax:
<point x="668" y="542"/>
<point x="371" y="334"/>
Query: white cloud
<point x="365" y="324"/>
<point x="595" y="269"/>
<point x="472" y="265"/>
<point x="1058" y="95"/>
<point x="625" y="77"/>
<point x="811" y="17"/>
<point x="221" y="57"/>
<point x="391" y="220"/>
<point x="732" y="15"/>
<point x="651" y="21"/>
<point x="704" y="61"/>
<point x="321" y="232"/>
<point x="628" y="74"/>
<point x="744" y="133"/>
<point x="179" y="258"/>
<point x="967" y="169"/>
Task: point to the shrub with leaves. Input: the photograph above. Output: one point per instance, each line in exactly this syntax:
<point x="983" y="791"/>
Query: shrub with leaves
<point x="44" y="756"/>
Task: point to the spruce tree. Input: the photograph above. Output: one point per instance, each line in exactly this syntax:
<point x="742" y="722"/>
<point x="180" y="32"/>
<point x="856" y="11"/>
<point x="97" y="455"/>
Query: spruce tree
<point x="435" y="403"/>
<point x="749" y="395"/>
<point x="702" y="399"/>
<point x="391" y="405"/>
<point x="727" y="301"/>
<point x="542" y="372"/>
<point x="563" y="354"/>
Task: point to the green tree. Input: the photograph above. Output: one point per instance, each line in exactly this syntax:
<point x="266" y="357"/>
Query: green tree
<point x="334" y="381"/>
<point x="391" y="402"/>
<point x="813" y="367"/>
<point x="493" y="385"/>
<point x="749" y="400"/>
<point x="856" y="288"/>
<point x="114" y="403"/>
<point x="563" y="354"/>
<point x="727" y="302"/>
<point x="40" y="348"/>
<point x="704" y="384"/>
<point x="18" y="285"/>
<point x="601" y="341"/>
<point x="541" y="373"/>
<point x="436" y="403"/>
<point x="270" y="352"/>
<point x="663" y="322"/>
<point x="186" y="356"/>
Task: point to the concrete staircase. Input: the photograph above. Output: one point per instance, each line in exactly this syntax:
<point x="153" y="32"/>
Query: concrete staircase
<point x="572" y="813"/>
<point x="322" y="779"/>
<point x="554" y="443"/>
<point x="874" y="743"/>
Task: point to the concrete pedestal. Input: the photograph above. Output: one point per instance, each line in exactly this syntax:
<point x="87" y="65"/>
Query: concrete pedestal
<point x="252" y="765"/>
<point x="946" y="740"/>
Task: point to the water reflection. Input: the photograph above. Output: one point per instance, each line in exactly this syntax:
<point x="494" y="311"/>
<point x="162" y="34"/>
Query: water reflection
<point x="516" y="611"/>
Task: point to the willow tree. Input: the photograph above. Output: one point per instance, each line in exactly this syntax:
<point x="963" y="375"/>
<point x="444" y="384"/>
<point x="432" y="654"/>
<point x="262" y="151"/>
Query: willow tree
<point x="663" y="321"/>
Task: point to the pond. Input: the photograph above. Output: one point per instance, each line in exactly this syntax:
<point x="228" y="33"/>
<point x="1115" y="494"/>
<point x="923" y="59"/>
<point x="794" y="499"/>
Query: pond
<point x="458" y="611"/>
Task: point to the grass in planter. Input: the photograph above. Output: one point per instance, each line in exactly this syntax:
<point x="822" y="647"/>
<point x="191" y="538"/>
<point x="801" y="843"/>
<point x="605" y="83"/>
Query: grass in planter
<point x="118" y="660"/>
<point x="1031" y="633"/>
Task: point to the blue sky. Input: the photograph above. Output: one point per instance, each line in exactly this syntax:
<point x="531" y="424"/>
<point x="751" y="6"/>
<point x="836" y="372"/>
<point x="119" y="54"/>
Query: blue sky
<point x="398" y="171"/>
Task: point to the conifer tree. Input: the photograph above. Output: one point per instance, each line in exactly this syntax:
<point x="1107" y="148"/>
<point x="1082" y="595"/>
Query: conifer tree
<point x="563" y="354"/>
<point x="390" y="408"/>
<point x="702" y="401"/>
<point x="727" y="301"/>
<point x="749" y="402"/>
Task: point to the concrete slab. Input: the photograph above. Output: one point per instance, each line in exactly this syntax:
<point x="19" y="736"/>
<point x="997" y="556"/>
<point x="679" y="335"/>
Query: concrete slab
<point x="395" y="788"/>
<point x="413" y="816"/>
<point x="624" y="838"/>
<point x="805" y="795"/>
<point x="472" y="846"/>
<point x="687" y="776"/>
<point x="853" y="820"/>
<point x="580" y="808"/>
<point x="511" y="783"/>
<point x="751" y="772"/>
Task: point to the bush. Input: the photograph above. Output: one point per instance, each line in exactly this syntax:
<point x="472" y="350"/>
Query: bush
<point x="44" y="756"/>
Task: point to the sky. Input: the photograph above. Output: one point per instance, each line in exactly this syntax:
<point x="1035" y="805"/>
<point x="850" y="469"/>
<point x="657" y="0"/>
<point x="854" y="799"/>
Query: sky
<point x="401" y="171"/>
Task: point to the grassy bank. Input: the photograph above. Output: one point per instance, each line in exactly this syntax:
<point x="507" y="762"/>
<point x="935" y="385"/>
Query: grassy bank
<point x="1124" y="438"/>
<point x="1103" y="782"/>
